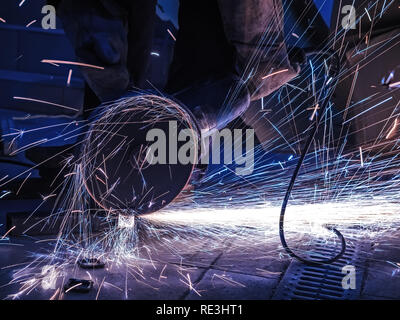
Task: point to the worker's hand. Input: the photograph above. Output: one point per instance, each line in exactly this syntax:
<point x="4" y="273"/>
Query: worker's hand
<point x="99" y="37"/>
<point x="217" y="101"/>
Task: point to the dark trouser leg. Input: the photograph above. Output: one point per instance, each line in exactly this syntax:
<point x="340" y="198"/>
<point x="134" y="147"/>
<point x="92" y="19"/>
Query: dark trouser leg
<point x="114" y="35"/>
<point x="140" y="39"/>
<point x="202" y="50"/>
<point x="203" y="71"/>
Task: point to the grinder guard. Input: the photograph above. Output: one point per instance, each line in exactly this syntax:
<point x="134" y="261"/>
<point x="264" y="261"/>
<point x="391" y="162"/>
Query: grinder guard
<point x="116" y="170"/>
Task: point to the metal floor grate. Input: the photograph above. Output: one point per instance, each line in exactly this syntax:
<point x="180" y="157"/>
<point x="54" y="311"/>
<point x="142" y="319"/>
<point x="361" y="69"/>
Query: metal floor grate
<point x="322" y="282"/>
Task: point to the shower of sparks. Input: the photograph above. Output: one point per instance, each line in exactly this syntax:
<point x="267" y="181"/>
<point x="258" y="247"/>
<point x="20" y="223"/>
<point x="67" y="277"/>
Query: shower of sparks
<point x="352" y="185"/>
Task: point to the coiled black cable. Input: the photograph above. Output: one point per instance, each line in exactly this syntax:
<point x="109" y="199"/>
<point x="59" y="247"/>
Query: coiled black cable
<point x="334" y="71"/>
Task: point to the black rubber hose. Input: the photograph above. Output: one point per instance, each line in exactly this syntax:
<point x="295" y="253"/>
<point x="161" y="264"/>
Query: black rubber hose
<point x="293" y="180"/>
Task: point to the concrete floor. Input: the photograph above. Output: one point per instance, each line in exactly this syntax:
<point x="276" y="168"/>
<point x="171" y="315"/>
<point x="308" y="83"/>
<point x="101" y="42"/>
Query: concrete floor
<point x="215" y="274"/>
<point x="229" y="272"/>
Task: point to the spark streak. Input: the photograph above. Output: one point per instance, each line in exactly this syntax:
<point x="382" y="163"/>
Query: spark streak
<point x="5" y="235"/>
<point x="394" y="85"/>
<point x="171" y="34"/>
<point x="393" y="130"/>
<point x="69" y="77"/>
<point x="30" y="23"/>
<point x="46" y="102"/>
<point x="275" y="73"/>
<point x="72" y="63"/>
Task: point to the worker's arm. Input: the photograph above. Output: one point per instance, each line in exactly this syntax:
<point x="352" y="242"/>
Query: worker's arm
<point x="255" y="29"/>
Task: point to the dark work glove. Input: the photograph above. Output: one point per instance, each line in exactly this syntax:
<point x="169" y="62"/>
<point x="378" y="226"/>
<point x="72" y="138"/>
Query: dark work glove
<point x="216" y="102"/>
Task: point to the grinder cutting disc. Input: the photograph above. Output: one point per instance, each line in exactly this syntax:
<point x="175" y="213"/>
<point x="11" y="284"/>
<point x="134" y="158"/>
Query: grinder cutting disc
<point x="122" y="169"/>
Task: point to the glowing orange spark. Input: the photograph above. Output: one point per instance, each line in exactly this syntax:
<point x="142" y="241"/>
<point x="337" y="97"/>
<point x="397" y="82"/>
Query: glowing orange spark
<point x="171" y="34"/>
<point x="73" y="287"/>
<point x="30" y="23"/>
<point x="393" y="130"/>
<point x="46" y="102"/>
<point x="5" y="235"/>
<point x="55" y="294"/>
<point x="274" y="73"/>
<point x="361" y="158"/>
<point x="69" y="77"/>
<point x="22" y="184"/>
<point x="314" y="112"/>
<point x="71" y="63"/>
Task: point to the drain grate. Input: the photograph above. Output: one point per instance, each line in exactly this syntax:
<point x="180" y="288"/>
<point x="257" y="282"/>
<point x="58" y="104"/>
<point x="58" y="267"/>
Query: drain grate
<point x="322" y="282"/>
